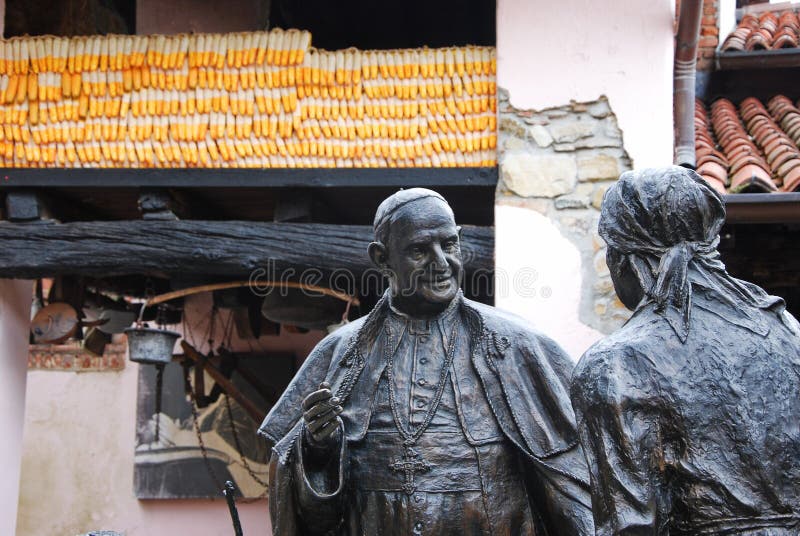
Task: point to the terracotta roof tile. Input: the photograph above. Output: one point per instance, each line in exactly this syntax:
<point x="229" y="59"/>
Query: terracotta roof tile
<point x="751" y="148"/>
<point x="768" y="31"/>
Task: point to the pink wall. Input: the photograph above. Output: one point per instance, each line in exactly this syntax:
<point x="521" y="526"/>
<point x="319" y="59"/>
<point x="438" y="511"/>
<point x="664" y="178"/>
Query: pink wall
<point x="15" y="308"/>
<point x="77" y="472"/>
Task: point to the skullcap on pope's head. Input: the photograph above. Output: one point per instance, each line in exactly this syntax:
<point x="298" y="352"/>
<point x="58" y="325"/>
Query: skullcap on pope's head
<point x="396" y="201"/>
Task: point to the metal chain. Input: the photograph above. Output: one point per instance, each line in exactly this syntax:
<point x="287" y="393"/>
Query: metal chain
<point x="211" y="325"/>
<point x="410" y="438"/>
<point x="159" y="390"/>
<point x="161" y="315"/>
<point x="149" y="288"/>
<point x="196" y="422"/>
<point x="227" y="339"/>
<point x="239" y="445"/>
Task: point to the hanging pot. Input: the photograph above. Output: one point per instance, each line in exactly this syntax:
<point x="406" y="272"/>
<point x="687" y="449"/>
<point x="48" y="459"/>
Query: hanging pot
<point x="151" y="346"/>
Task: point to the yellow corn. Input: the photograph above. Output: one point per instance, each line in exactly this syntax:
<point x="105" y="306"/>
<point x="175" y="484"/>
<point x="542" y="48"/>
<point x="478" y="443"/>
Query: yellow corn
<point x="182" y="100"/>
<point x="9" y="90"/>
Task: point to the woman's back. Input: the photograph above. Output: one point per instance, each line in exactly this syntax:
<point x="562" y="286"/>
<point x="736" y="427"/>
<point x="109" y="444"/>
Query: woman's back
<point x="701" y="436"/>
<point x="690" y="414"/>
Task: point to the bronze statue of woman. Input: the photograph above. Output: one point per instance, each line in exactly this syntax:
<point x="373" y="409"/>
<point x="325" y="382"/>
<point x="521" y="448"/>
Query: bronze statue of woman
<point x="689" y="415"/>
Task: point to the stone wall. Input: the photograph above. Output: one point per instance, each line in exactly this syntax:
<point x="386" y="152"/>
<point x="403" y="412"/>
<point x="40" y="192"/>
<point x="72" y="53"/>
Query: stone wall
<point x="559" y="162"/>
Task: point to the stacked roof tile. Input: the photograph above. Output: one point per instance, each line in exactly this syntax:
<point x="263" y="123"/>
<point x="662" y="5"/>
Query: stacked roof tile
<point x="767" y="31"/>
<point x="749" y="148"/>
<point x="257" y="99"/>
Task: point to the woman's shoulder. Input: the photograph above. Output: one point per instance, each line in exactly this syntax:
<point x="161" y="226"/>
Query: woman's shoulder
<point x="625" y="362"/>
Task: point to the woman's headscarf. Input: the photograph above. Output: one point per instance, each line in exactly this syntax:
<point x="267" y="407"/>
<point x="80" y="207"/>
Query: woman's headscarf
<point x="667" y="222"/>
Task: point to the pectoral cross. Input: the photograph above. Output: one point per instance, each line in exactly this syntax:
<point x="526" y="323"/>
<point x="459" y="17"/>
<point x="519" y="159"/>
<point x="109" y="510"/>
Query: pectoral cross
<point x="410" y="464"/>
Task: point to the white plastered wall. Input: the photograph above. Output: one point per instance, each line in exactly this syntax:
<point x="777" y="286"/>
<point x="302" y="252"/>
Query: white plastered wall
<point x="15" y="308"/>
<point x="550" y="53"/>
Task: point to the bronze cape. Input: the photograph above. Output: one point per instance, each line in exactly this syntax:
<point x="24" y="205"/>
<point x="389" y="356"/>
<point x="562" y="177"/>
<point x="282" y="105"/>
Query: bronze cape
<point x="524" y="377"/>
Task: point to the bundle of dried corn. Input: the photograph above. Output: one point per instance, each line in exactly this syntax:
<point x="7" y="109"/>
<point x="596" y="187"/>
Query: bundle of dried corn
<point x="258" y="99"/>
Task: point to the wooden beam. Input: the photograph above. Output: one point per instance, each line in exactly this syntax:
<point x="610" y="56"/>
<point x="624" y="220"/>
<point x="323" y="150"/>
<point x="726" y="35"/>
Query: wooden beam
<point x="761" y="59"/>
<point x="190" y="247"/>
<point x="762" y="208"/>
<point x="246" y="177"/>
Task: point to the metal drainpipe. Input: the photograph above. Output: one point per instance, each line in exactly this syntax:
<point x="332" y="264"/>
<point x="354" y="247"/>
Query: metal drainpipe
<point x="683" y="87"/>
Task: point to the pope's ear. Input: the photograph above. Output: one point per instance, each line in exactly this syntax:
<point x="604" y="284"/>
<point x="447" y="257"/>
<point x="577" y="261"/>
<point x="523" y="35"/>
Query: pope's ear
<point x="460" y="234"/>
<point x="377" y="252"/>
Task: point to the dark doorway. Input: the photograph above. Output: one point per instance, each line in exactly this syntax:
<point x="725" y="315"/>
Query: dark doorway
<point x="371" y="24"/>
<point x="54" y="17"/>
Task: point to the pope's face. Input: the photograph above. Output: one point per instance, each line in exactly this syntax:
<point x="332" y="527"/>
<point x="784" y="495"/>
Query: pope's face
<point x="423" y="257"/>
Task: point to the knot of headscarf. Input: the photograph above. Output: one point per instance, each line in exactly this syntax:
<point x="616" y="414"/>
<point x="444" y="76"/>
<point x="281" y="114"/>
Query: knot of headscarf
<point x="668" y="220"/>
<point x="672" y="287"/>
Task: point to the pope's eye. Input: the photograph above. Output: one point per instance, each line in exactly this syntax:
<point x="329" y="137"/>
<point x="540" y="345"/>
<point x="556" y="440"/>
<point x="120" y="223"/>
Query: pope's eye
<point x="416" y="251"/>
<point x="450" y="245"/>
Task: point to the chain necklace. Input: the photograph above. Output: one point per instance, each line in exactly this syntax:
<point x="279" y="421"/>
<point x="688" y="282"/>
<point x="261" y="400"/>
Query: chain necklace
<point x="410" y="437"/>
<point x="412" y="462"/>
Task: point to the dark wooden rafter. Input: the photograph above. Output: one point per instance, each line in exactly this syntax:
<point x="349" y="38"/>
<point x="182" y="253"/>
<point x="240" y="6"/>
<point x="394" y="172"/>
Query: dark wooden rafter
<point x="245" y="178"/>
<point x="119" y="226"/>
<point x="763" y="208"/>
<point x="342" y="196"/>
<point x="190" y="247"/>
<point x="761" y="59"/>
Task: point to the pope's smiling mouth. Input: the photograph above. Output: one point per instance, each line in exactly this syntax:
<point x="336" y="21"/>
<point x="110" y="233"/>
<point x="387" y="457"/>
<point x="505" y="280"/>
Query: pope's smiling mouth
<point x="444" y="281"/>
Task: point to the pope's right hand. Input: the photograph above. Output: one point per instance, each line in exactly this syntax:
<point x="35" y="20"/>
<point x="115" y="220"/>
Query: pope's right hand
<point x="321" y="414"/>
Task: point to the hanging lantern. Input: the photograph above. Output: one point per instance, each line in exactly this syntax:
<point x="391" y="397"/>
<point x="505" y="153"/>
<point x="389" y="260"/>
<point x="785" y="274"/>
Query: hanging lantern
<point x="150" y="346"/>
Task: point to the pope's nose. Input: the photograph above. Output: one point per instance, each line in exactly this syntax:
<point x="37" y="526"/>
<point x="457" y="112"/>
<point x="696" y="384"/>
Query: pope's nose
<point x="438" y="259"/>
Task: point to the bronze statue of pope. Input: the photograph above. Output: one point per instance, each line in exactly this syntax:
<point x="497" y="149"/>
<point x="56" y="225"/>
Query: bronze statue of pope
<point x="433" y="414"/>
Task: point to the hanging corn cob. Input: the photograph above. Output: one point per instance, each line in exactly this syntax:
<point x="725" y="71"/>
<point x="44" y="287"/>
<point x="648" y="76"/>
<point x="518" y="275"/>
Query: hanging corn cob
<point x="244" y="99"/>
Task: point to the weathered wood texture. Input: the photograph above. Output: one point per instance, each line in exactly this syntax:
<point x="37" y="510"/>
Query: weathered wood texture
<point x="191" y="247"/>
<point x="246" y="177"/>
<point x="762" y="59"/>
<point x="762" y="208"/>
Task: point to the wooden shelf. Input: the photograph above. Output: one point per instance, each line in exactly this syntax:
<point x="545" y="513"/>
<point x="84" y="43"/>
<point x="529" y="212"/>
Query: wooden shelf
<point x="246" y="178"/>
<point x="762" y="59"/>
<point x="763" y="208"/>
